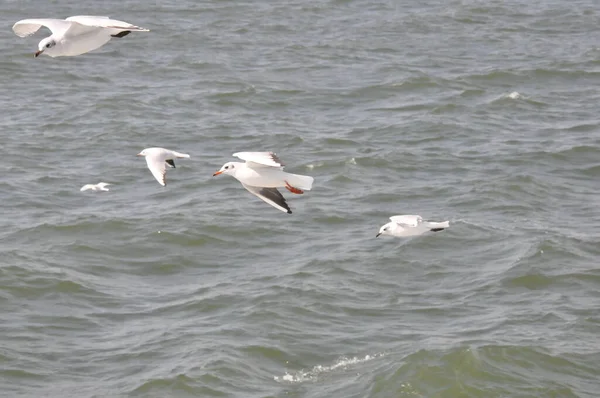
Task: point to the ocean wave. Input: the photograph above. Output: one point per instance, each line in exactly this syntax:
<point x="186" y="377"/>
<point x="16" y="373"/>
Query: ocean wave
<point x="318" y="371"/>
<point x="487" y="370"/>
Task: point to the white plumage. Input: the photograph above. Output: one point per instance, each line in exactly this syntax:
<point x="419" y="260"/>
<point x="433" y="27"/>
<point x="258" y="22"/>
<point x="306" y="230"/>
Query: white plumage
<point x="158" y="159"/>
<point x="75" y="35"/>
<point x="411" y="225"/>
<point x="101" y="186"/>
<point x="262" y="174"/>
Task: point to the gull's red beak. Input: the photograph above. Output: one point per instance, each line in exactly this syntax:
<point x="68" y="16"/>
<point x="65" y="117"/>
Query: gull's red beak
<point x="139" y="154"/>
<point x="217" y="173"/>
<point x="37" y="53"/>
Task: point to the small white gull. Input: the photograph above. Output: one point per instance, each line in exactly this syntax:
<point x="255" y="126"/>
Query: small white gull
<point x="75" y="35"/>
<point x="410" y="225"/>
<point x="158" y="159"/>
<point x="262" y="174"/>
<point x="101" y="186"/>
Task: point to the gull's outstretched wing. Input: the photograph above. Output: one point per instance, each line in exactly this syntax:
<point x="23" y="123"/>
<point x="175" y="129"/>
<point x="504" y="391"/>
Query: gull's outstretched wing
<point x="260" y="159"/>
<point x="407" y="219"/>
<point x="158" y="168"/>
<point x="104" y="22"/>
<point x="27" y="27"/>
<point x="270" y="195"/>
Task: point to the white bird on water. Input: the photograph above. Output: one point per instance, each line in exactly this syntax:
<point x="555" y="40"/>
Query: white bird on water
<point x="74" y="35"/>
<point x="158" y="159"/>
<point x="410" y="225"/>
<point x="101" y="186"/>
<point x="262" y="174"/>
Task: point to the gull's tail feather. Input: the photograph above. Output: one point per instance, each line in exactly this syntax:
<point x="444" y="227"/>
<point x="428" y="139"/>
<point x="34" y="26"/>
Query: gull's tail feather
<point x="438" y="225"/>
<point x="299" y="181"/>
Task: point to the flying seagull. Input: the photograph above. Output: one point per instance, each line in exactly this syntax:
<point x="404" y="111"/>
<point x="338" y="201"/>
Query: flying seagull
<point x="262" y="174"/>
<point x="74" y="35"/>
<point x="410" y="225"/>
<point x="158" y="159"/>
<point x="101" y="186"/>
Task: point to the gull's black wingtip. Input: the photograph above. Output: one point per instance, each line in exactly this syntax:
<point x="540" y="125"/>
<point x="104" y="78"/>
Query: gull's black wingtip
<point x="122" y="34"/>
<point x="289" y="211"/>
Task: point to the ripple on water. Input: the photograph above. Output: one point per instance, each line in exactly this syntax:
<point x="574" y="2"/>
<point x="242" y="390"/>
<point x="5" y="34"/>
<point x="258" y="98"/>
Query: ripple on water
<point x="480" y="371"/>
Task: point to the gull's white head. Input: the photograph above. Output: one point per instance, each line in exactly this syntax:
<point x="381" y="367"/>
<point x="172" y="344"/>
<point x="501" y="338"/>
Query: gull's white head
<point x="143" y="153"/>
<point x="228" y="168"/>
<point x="46" y="45"/>
<point x="102" y="184"/>
<point x="386" y="229"/>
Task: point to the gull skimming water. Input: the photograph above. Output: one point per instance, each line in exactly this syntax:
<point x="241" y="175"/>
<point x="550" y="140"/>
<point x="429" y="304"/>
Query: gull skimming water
<point x="410" y="225"/>
<point x="101" y="186"/>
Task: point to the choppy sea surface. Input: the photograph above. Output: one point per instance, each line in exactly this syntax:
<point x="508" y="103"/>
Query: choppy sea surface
<point x="483" y="113"/>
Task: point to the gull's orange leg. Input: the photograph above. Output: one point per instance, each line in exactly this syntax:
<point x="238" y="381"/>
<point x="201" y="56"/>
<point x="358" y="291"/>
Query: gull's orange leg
<point x="293" y="189"/>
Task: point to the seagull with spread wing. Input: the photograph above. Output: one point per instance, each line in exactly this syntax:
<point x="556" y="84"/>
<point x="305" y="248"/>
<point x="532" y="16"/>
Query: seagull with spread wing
<point x="158" y="159"/>
<point x="74" y="35"/>
<point x="410" y="225"/>
<point x="262" y="174"/>
<point x="101" y="186"/>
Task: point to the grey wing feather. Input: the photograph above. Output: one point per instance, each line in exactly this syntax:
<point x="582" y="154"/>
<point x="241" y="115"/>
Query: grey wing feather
<point x="270" y="195"/>
<point x="260" y="159"/>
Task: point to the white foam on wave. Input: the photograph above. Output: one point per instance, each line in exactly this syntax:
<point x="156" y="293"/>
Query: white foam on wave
<point x="514" y="95"/>
<point x="308" y="375"/>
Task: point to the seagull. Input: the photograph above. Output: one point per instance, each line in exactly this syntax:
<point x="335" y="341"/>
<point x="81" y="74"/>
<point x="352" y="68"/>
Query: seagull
<point x="74" y="35"/>
<point x="262" y="174"/>
<point x="101" y="186"/>
<point x="158" y="159"/>
<point x="410" y="225"/>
